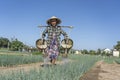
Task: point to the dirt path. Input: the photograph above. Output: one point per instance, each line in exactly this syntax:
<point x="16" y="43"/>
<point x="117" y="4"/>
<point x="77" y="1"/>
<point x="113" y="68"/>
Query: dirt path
<point x="103" y="71"/>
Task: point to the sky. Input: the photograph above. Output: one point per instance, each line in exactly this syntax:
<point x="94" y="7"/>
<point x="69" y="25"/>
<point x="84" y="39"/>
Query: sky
<point x="96" y="22"/>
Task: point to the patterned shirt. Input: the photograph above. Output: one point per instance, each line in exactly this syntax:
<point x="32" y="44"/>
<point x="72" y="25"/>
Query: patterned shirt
<point x="50" y="31"/>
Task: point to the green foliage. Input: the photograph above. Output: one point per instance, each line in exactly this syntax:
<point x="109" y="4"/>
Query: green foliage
<point x="106" y="53"/>
<point x="99" y="51"/>
<point x="37" y="53"/>
<point x="92" y="52"/>
<point x="117" y="46"/>
<point x="16" y="45"/>
<point x="69" y="71"/>
<point x="103" y="53"/>
<point x="10" y="60"/>
<point x="111" y="59"/>
<point x="4" y="42"/>
<point x="84" y="51"/>
<point x="117" y="61"/>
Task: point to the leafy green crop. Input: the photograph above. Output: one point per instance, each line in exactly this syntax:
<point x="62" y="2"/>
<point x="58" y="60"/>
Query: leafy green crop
<point x="69" y="71"/>
<point x="10" y="60"/>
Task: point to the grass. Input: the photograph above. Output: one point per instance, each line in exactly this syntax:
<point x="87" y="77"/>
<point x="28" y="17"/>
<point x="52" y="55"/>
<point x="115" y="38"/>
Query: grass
<point x="8" y="52"/>
<point x="69" y="71"/>
<point x="117" y="60"/>
<point x="11" y="60"/>
<point x="110" y="60"/>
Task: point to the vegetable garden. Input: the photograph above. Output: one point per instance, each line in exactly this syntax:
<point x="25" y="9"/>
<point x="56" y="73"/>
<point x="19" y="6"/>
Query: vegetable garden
<point x="72" y="70"/>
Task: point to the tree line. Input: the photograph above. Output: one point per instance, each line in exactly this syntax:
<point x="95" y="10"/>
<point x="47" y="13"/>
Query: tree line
<point x="13" y="44"/>
<point x="16" y="45"/>
<point x="99" y="51"/>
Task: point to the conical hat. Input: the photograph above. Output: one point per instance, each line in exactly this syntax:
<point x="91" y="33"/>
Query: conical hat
<point x="52" y="18"/>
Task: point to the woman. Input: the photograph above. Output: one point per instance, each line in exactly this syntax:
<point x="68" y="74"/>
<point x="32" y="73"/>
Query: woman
<point x="53" y="32"/>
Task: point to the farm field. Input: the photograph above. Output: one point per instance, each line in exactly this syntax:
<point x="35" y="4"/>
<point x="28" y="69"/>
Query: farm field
<point x="77" y="67"/>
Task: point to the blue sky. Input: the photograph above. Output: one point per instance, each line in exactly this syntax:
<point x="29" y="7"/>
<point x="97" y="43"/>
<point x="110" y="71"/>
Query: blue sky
<point x="96" y="22"/>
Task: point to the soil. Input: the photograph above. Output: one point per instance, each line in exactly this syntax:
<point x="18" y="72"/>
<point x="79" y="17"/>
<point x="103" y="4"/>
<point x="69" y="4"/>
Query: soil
<point x="103" y="71"/>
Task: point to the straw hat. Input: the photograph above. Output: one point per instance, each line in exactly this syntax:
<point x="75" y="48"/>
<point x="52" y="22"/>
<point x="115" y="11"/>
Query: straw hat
<point x="53" y="18"/>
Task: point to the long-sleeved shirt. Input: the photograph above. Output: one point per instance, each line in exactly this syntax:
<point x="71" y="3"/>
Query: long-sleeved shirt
<point x="50" y="30"/>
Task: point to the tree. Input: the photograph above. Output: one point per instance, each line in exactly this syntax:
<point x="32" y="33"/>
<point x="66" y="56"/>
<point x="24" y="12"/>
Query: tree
<point x="84" y="51"/>
<point x="98" y="52"/>
<point x="117" y="46"/>
<point x="16" y="45"/>
<point x="92" y="52"/>
<point x="4" y="42"/>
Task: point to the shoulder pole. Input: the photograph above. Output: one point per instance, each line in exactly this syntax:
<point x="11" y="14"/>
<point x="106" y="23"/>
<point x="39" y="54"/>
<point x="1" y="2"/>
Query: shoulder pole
<point x="61" y="26"/>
